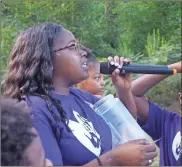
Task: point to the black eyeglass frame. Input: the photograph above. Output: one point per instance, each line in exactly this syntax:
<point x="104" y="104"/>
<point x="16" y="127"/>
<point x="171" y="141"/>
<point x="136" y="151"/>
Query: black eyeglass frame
<point x="77" y="47"/>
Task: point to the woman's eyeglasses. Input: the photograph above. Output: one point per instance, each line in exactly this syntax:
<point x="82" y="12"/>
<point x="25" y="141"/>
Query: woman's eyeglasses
<point x="76" y="46"/>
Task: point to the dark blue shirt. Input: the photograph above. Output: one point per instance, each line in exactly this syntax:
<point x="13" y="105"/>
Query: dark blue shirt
<point x="86" y="136"/>
<point x="167" y="126"/>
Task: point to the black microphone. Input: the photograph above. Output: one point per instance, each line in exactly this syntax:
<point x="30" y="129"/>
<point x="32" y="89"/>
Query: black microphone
<point x="107" y="68"/>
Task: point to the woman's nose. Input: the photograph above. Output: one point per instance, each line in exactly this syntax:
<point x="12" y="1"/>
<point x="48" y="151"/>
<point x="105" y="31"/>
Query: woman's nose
<point x="83" y="53"/>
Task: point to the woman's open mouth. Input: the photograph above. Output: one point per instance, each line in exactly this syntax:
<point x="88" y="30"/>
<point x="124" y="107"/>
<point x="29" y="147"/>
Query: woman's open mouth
<point x="85" y="66"/>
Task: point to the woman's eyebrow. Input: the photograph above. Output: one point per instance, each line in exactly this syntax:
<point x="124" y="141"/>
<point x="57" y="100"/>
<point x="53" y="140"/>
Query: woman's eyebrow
<point x="73" y="40"/>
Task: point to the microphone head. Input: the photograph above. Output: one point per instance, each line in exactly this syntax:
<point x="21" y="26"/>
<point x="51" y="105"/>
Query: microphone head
<point x="104" y="68"/>
<point x="95" y="65"/>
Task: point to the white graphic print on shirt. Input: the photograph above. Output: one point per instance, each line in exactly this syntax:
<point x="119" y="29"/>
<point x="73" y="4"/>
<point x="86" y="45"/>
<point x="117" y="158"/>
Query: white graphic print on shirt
<point x="177" y="146"/>
<point x="84" y="131"/>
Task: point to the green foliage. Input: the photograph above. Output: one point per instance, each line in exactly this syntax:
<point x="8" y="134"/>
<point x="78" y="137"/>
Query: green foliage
<point x="108" y="27"/>
<point x="166" y="92"/>
<point x="109" y="88"/>
<point x="159" y="50"/>
<point x="146" y="32"/>
<point x="154" y="42"/>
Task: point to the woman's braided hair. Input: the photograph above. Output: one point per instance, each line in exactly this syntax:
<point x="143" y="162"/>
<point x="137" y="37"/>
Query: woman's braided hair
<point x="30" y="66"/>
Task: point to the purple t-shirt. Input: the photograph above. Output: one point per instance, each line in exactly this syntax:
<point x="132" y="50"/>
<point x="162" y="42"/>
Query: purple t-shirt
<point x="86" y="137"/>
<point x="167" y="126"/>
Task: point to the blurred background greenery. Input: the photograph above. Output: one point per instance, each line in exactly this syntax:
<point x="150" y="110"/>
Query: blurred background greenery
<point x="147" y="32"/>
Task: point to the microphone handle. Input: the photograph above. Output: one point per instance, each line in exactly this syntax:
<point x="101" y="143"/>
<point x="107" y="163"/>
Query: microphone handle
<point x="144" y="69"/>
<point x="148" y="70"/>
<point x="146" y="65"/>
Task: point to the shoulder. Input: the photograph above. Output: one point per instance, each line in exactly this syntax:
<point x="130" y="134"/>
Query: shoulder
<point x="38" y="107"/>
<point x="155" y="109"/>
<point x="35" y="101"/>
<point x="85" y="95"/>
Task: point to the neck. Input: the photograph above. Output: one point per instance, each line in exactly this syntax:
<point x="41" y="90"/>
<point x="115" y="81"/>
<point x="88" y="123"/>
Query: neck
<point x="61" y="86"/>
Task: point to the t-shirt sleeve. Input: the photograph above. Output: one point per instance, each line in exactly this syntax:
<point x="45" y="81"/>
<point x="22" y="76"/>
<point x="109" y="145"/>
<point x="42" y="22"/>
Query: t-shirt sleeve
<point x="156" y="119"/>
<point x="49" y="142"/>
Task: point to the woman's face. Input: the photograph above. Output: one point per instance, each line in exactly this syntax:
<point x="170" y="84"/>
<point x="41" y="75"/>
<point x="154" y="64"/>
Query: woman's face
<point x="69" y="61"/>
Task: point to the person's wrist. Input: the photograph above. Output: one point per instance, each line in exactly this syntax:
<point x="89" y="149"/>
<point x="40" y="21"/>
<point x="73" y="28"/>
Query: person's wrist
<point x="124" y="93"/>
<point x="123" y="90"/>
<point x="111" y="158"/>
<point x="99" y="161"/>
<point x="117" y="156"/>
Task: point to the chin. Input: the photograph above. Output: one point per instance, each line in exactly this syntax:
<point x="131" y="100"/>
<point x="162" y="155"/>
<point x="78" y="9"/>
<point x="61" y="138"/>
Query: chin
<point x="82" y="78"/>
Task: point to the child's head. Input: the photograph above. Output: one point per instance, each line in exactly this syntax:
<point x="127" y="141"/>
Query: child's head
<point x="95" y="82"/>
<point x="20" y="143"/>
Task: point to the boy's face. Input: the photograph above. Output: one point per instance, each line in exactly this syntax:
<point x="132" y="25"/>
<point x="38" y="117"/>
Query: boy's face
<point x="94" y="84"/>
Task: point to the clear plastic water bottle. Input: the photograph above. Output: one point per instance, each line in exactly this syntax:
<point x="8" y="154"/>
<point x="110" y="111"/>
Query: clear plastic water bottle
<point x="123" y="126"/>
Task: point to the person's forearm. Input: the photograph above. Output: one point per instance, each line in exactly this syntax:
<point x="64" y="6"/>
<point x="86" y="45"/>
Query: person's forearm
<point x="106" y="159"/>
<point x="143" y="84"/>
<point x="127" y="98"/>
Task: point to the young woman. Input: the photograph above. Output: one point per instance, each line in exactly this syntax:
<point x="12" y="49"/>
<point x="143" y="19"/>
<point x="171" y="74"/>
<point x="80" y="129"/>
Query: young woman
<point x="159" y="123"/>
<point x="20" y="143"/>
<point x="46" y="61"/>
